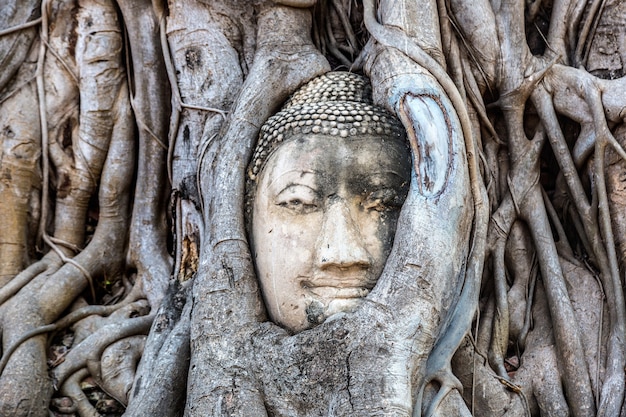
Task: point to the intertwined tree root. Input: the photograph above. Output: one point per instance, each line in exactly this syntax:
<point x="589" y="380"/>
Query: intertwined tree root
<point x="109" y="108"/>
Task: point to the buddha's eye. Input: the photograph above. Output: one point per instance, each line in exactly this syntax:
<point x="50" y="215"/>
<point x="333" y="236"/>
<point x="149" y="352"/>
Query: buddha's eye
<point x="300" y="199"/>
<point x="298" y="205"/>
<point x="386" y="199"/>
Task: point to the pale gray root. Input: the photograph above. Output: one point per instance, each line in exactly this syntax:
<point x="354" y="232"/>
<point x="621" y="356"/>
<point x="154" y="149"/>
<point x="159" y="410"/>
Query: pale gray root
<point x="435" y="168"/>
<point x="500" y="330"/>
<point x="597" y="98"/>
<point x="87" y="318"/>
<point x="90" y="318"/>
<point x="617" y="195"/>
<point x="576" y="377"/>
<point x="72" y="389"/>
<point x="540" y="373"/>
<point x="588" y="298"/>
<point x="203" y="46"/>
<point x="485" y="393"/>
<point x="88" y="323"/>
<point x="613" y="388"/>
<point x="99" y="83"/>
<point x="115" y="372"/>
<point x="20" y="151"/>
<point x="519" y="257"/>
<point x="50" y="260"/>
<point x="520" y="260"/>
<point x="207" y="45"/>
<point x="161" y="383"/>
<point x="92" y="347"/>
<point x="40" y="303"/>
<point x="508" y="23"/>
<point x="14" y="46"/>
<point x="451" y="403"/>
<point x="150" y="103"/>
<point x="515" y="89"/>
<point x="419" y="21"/>
<point x="475" y="21"/>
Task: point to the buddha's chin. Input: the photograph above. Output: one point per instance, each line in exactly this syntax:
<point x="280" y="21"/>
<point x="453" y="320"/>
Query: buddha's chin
<point x="319" y="311"/>
<point x="342" y="305"/>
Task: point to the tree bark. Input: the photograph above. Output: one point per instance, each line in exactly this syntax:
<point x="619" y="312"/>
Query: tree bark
<point x="126" y="130"/>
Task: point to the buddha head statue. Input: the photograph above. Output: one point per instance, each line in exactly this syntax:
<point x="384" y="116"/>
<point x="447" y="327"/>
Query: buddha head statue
<point x="328" y="177"/>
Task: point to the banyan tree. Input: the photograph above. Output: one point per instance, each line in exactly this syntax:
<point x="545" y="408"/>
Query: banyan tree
<point x="312" y="208"/>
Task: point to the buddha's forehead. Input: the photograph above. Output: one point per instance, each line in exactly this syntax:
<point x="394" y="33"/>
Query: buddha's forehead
<point x="333" y="159"/>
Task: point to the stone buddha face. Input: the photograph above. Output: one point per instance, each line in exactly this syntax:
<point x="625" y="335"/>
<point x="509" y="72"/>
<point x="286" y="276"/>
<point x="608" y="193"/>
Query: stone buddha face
<point x="323" y="221"/>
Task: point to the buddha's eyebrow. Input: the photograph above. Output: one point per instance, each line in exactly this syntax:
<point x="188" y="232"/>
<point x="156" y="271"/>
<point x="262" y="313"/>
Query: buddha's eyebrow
<point x="295" y="185"/>
<point x="294" y="176"/>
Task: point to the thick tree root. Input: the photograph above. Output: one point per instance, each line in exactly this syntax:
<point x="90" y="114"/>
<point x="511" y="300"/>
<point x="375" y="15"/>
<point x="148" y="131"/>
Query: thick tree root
<point x="150" y="103"/>
<point x="160" y="386"/>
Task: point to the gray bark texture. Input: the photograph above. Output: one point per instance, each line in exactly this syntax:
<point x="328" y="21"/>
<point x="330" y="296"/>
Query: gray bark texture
<point x="127" y="280"/>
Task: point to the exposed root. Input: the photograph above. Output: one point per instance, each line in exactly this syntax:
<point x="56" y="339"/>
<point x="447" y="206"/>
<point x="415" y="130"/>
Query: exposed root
<point x="150" y="103"/>
<point x="67" y="260"/>
<point x="6" y="354"/>
<point x="91" y="348"/>
<point x="585" y="35"/>
<point x="46" y="265"/>
<point x="115" y="372"/>
<point x="41" y="303"/>
<point x="516" y="389"/>
<point x="567" y="214"/>
<point x="67" y="321"/>
<point x="72" y="389"/>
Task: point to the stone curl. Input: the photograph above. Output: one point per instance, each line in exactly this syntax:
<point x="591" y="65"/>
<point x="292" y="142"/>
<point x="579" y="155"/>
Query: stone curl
<point x="333" y="104"/>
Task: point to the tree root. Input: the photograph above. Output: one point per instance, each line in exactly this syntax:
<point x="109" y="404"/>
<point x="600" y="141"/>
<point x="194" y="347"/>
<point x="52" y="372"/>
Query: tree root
<point x="61" y="324"/>
<point x="438" y="363"/>
<point x="19" y="154"/>
<point x="45" y="265"/>
<point x="32" y="307"/>
<point x="160" y="385"/>
<point x="150" y="102"/>
<point x="115" y="372"/>
<point x="72" y="389"/>
<point x="597" y="231"/>
<point x="15" y="38"/>
<point x="21" y="27"/>
<point x="92" y="347"/>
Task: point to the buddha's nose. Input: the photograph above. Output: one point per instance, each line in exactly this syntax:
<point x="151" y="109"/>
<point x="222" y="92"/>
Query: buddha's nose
<point x="340" y="243"/>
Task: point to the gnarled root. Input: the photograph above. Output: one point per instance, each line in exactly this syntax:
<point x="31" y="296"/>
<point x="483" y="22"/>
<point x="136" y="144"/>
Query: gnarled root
<point x="45" y="298"/>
